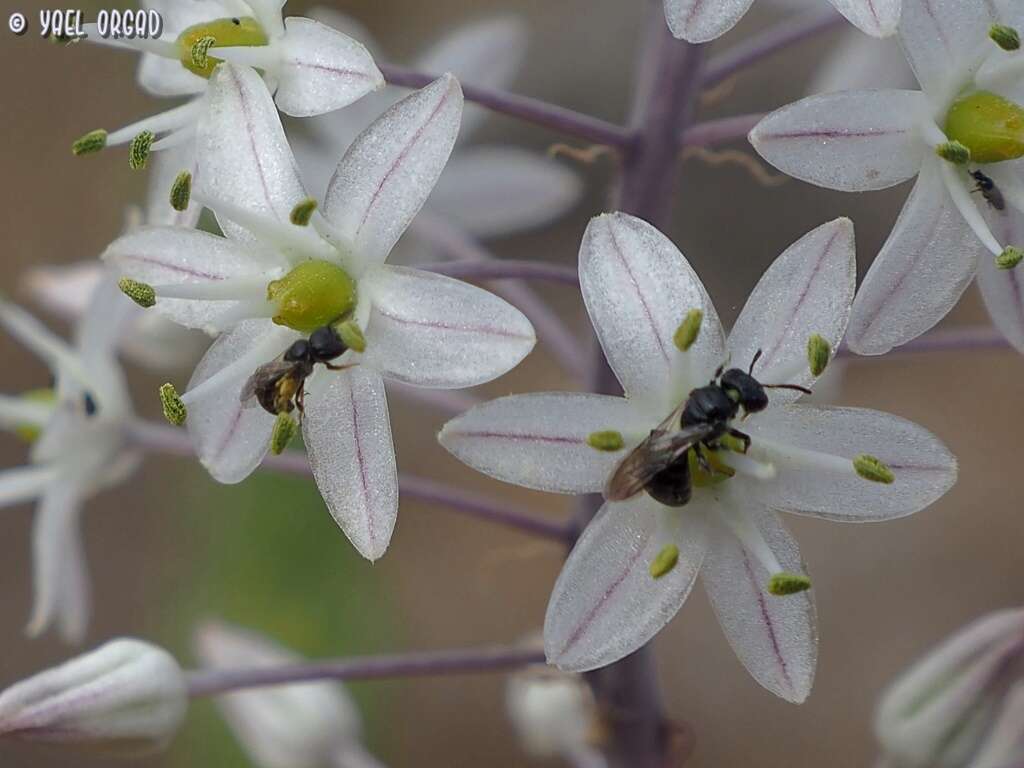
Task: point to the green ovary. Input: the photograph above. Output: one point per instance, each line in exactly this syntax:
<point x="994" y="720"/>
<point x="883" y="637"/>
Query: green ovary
<point x="312" y="295"/>
<point x="989" y="125"/>
<point x="229" y="33"/>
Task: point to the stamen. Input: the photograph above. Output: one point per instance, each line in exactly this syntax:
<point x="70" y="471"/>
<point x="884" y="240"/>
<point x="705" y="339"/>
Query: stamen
<point x="819" y="351"/>
<point x="786" y="583"/>
<point x="688" y="330"/>
<point x="92" y="142"/>
<point x="303" y="212"/>
<point x="953" y="152"/>
<point x="174" y="408"/>
<point x="873" y="469"/>
<point x="164" y="122"/>
<point x="962" y="199"/>
<point x="351" y="335"/>
<point x="181" y="191"/>
<point x="141" y="293"/>
<point x="664" y="561"/>
<point x="1005" y="37"/>
<point x="245" y="365"/>
<point x="229" y="289"/>
<point x="751" y="538"/>
<point x="177" y="138"/>
<point x="200" y="51"/>
<point x="607" y="441"/>
<point x="1009" y="258"/>
<point x="284" y="430"/>
<point x="138" y="151"/>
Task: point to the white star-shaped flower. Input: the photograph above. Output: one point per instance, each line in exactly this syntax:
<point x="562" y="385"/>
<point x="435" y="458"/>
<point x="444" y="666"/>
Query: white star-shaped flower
<point x="634" y="565"/>
<point x="271" y="282"/>
<point x="79" y="449"/>
<point x="866" y="140"/>
<point x="699" y="21"/>
<point x="311" y="68"/>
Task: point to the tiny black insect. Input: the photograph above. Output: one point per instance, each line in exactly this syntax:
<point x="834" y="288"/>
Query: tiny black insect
<point x="988" y="190"/>
<point x="660" y="465"/>
<point x="237" y="22"/>
<point x="278" y="385"/>
<point x="90" y="404"/>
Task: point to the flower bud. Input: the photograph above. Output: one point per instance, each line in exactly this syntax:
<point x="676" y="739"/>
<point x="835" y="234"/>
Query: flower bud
<point x="305" y="725"/>
<point x="939" y="713"/>
<point x="553" y="712"/>
<point x="126" y="697"/>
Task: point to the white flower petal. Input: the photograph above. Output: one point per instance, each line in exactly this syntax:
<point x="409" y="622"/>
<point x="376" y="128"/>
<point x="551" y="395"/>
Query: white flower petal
<point x="493" y="191"/>
<point x="920" y="273"/>
<point x="1003" y="289"/>
<point x="98" y="333"/>
<point x="944" y="40"/>
<point x="348" y="439"/>
<point x="698" y="21"/>
<point x="232" y="437"/>
<point x="875" y="17"/>
<point x="539" y="440"/>
<point x="322" y="69"/>
<point x="774" y="637"/>
<point x="852" y="141"/>
<point x="20" y="484"/>
<point x="167" y="77"/>
<point x="172" y="255"/>
<point x="64" y="290"/>
<point x="61" y="581"/>
<point x="486" y="53"/>
<point x="605" y="603"/>
<point x="244" y="157"/>
<point x="923" y="467"/>
<point x="807" y="290"/>
<point x="859" y="62"/>
<point x="165" y="166"/>
<point x="434" y="331"/>
<point x="638" y="287"/>
<point x="388" y="172"/>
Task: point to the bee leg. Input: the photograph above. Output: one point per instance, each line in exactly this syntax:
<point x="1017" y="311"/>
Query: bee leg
<point x="702" y="460"/>
<point x="345" y="367"/>
<point x="742" y="437"/>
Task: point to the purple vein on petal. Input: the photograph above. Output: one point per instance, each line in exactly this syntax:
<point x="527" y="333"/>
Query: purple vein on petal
<point x="636" y="286"/>
<point x="768" y="624"/>
<point x="484" y="329"/>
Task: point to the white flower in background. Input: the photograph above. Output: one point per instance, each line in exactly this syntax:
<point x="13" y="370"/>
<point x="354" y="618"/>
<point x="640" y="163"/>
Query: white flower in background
<point x="699" y="21"/>
<point x="485" y="190"/>
<point x="308" y="725"/>
<point x="954" y="127"/>
<point x="555" y="715"/>
<point x="126" y="697"/>
<point x="634" y="565"/>
<point x="962" y="704"/>
<point x="79" y="449"/>
<point x="270" y="283"/>
<point x="311" y="69"/>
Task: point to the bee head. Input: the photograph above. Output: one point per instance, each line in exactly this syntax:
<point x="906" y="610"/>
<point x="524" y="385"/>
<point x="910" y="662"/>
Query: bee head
<point x="745" y="390"/>
<point x="325" y="344"/>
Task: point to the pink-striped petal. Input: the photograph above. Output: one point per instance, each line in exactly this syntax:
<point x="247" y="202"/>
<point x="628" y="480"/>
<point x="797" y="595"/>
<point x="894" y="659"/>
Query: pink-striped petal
<point x="1003" y="289"/>
<point x="699" y="21"/>
<point x="877" y="18"/>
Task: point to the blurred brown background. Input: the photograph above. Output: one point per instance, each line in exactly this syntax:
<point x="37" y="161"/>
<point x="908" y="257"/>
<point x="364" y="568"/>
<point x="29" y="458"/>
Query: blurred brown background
<point x="173" y="547"/>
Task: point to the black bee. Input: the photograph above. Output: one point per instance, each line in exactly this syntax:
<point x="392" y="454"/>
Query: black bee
<point x="278" y="385"/>
<point x="660" y="465"/>
<point x="988" y="190"/>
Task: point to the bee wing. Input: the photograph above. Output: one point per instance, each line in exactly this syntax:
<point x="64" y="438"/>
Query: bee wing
<point x="649" y="458"/>
<point x="265" y="374"/>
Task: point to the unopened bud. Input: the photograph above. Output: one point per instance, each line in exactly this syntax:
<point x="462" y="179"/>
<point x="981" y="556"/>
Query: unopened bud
<point x="181" y="191"/>
<point x="953" y="152"/>
<point x="688" y="331"/>
<point x="126" y="697"/>
<point x="139" y="149"/>
<point x="554" y="714"/>
<point x="141" y="293"/>
<point x="785" y="583"/>
<point x="819" y="351"/>
<point x="1005" y="37"/>
<point x="664" y="561"/>
<point x="92" y="142"/>
<point x="606" y="440"/>
<point x="174" y="409"/>
<point x="1009" y="258"/>
<point x="284" y="430"/>
<point x="303" y="212"/>
<point x="873" y="469"/>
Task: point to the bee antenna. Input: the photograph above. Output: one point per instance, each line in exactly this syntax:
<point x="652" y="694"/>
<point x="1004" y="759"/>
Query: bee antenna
<point x="794" y="387"/>
<point x="757" y="356"/>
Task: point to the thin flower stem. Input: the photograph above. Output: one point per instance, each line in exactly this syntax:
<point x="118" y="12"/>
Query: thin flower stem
<point x="215" y="682"/>
<point x="560" y="119"/>
<point x="158" y="438"/>
<point x="772" y="40"/>
<point x="505" y="269"/>
<point x="721" y="131"/>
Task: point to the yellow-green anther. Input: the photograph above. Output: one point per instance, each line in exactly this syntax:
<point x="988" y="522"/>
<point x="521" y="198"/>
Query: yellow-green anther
<point x="991" y="127"/>
<point x="1005" y="37"/>
<point x="1009" y="258"/>
<point x="228" y="33"/>
<point x="786" y="583"/>
<point x="664" y="561"/>
<point x="174" y="410"/>
<point x="351" y="335"/>
<point x="141" y="293"/>
<point x="284" y="430"/>
<point x="200" y="51"/>
<point x="314" y="294"/>
<point x="873" y="469"/>
<point x="181" y="191"/>
<point x="139" y="149"/>
<point x="30" y="432"/>
<point x="606" y="440"/>
<point x="734" y="444"/>
<point x="819" y="351"/>
<point x="92" y="142"/>
<point x="688" y="330"/>
<point x="953" y="152"/>
<point x="303" y="212"/>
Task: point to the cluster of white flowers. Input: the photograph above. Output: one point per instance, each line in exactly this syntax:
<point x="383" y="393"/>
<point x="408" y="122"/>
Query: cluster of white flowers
<point x="309" y="320"/>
